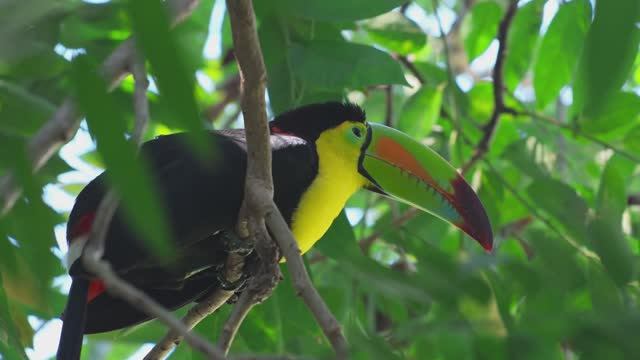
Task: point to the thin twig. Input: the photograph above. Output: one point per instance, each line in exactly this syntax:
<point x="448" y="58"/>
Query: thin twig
<point x="499" y="106"/>
<point x="388" y="116"/>
<point x="365" y="244"/>
<point x="231" y="326"/>
<point x="231" y="90"/>
<point x="64" y="123"/>
<point x="411" y="67"/>
<point x="194" y="316"/>
<point x="579" y="133"/>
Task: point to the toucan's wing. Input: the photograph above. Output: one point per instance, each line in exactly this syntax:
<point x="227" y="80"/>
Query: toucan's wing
<point x="201" y="197"/>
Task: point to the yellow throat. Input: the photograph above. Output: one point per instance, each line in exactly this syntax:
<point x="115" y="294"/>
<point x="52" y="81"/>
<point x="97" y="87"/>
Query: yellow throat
<point x="337" y="180"/>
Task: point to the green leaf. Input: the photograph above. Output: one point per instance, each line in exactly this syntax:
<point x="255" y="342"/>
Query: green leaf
<point x="521" y="42"/>
<point x="275" y="42"/>
<point x="336" y="10"/>
<point x="339" y="243"/>
<point x="609" y="51"/>
<point x="560" y="49"/>
<point x="607" y="240"/>
<point x="396" y="32"/>
<point x="612" y="195"/>
<point x="10" y="345"/>
<point x="333" y="65"/>
<point x="632" y="140"/>
<point x="521" y="157"/>
<point x="92" y="157"/>
<point x="421" y="111"/>
<point x="127" y="174"/>
<point x="562" y="203"/>
<point x="623" y="108"/>
<point x="485" y="17"/>
<point x="175" y="80"/>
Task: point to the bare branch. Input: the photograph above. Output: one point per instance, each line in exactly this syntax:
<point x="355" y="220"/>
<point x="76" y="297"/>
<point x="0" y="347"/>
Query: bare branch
<point x="140" y="300"/>
<point x="303" y="286"/>
<point x="412" y="68"/>
<point x="62" y="126"/>
<point x="233" y="271"/>
<point x="499" y="106"/>
<point x="231" y="326"/>
<point x="258" y="206"/>
<point x="195" y="315"/>
<point x="231" y="90"/>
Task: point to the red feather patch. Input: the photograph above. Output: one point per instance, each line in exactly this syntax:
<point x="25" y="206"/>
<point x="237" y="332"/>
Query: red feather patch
<point x="96" y="287"/>
<point x="83" y="226"/>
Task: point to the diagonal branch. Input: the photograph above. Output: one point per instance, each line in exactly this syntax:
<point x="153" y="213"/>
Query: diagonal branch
<point x="64" y="123"/>
<point x="499" y="106"/>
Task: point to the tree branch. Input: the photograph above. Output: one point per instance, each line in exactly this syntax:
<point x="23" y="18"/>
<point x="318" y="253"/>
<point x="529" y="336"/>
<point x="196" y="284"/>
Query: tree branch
<point x="499" y="106"/>
<point x="231" y="326"/>
<point x="303" y="286"/>
<point x="64" y="123"/>
<point x="258" y="210"/>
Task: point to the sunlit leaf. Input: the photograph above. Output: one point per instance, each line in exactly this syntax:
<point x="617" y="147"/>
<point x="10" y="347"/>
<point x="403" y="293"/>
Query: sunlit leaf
<point x="334" y="65"/>
<point x="126" y="173"/>
<point x="605" y="64"/>
<point x="421" y="111"/>
<point x="396" y="32"/>
<point x="485" y="17"/>
<point x="560" y="50"/>
<point x="336" y="10"/>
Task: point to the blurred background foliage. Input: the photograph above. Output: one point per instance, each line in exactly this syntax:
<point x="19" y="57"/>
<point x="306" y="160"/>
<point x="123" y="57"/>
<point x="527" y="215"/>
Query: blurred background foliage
<point x="560" y="178"/>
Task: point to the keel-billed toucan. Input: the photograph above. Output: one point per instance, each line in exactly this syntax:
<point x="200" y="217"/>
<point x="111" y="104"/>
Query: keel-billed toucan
<point x="322" y="154"/>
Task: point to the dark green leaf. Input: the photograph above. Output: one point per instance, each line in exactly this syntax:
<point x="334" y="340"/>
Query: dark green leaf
<point x="560" y="49"/>
<point x="175" y="80"/>
<point x="622" y="109"/>
<point x="562" y="203"/>
<point x="421" y="111"/>
<point x="129" y="177"/>
<point x="337" y="10"/>
<point x="609" y="51"/>
<point x="521" y="42"/>
<point x="333" y="65"/>
<point x="485" y="17"/>
<point x="396" y="33"/>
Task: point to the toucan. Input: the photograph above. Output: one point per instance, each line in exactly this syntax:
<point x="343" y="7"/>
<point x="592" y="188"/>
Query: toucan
<point x="322" y="154"/>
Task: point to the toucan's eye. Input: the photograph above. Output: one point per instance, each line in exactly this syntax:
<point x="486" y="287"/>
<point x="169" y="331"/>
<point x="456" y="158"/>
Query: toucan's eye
<point x="356" y="131"/>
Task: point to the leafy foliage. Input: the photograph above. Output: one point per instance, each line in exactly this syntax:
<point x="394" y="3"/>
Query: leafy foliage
<point x="564" y="280"/>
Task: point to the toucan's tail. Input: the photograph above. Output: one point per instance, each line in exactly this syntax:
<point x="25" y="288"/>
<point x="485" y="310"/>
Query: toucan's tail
<point x="74" y="317"/>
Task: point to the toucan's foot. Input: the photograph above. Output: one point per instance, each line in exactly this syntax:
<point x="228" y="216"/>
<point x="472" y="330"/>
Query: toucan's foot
<point x="235" y="245"/>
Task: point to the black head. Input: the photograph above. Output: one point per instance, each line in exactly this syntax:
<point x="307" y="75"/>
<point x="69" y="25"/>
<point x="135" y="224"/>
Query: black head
<point x="309" y="121"/>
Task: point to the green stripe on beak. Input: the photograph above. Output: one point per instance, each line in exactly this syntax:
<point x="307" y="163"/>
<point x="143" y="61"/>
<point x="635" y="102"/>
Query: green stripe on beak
<point x="408" y="171"/>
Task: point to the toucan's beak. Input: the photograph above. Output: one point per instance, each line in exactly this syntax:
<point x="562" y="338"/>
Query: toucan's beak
<point x="402" y="168"/>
